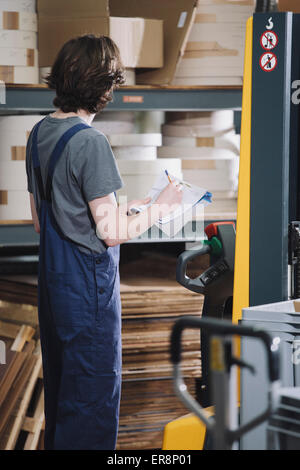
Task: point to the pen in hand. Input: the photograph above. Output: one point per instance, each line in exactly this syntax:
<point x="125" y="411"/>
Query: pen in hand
<point x="166" y="171"/>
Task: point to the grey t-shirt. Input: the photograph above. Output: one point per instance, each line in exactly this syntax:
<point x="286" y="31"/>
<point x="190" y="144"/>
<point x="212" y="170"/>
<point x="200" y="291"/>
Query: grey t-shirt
<point x="86" y="170"/>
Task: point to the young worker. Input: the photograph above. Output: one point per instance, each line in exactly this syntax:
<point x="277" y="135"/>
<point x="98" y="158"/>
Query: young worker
<point x="72" y="178"/>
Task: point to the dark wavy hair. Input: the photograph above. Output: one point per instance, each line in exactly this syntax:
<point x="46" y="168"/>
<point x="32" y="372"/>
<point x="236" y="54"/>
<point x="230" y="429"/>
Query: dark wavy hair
<point x="85" y="73"/>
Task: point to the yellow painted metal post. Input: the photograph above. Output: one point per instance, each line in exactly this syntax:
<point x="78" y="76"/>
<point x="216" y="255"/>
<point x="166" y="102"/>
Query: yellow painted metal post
<point x="242" y="247"/>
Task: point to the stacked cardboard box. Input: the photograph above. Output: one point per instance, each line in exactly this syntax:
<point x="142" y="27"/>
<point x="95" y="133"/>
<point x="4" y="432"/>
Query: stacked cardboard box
<point x="18" y="42"/>
<point x="177" y="17"/>
<point x="208" y="147"/>
<point x="289" y="5"/>
<point x="214" y="53"/>
<point x="140" y="40"/>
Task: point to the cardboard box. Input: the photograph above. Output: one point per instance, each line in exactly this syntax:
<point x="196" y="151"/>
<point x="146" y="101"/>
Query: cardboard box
<point x="289" y="5"/>
<point x="178" y="17"/>
<point x="140" y="41"/>
<point x="73" y="8"/>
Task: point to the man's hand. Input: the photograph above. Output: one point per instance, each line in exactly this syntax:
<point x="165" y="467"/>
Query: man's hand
<point x="137" y="203"/>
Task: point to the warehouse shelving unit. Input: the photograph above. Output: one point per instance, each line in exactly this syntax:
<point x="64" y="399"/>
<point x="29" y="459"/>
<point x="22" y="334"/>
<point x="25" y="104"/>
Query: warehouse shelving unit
<point x="28" y="99"/>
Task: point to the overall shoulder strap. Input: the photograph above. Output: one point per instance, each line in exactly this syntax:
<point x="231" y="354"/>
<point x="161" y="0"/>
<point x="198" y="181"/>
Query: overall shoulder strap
<point x="57" y="152"/>
<point x="36" y="161"/>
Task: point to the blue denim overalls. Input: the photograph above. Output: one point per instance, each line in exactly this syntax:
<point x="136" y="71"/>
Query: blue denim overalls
<point x="80" y="327"/>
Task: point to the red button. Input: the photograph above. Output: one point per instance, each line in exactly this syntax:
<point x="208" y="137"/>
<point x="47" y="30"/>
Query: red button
<point x="212" y="229"/>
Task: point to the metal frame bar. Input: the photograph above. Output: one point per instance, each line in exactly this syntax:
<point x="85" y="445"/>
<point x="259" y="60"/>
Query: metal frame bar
<point x="39" y="99"/>
<point x="270" y="155"/>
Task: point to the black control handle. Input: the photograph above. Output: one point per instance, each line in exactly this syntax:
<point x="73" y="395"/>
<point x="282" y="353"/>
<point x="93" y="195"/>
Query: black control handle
<point x="222" y="327"/>
<point x="196" y="284"/>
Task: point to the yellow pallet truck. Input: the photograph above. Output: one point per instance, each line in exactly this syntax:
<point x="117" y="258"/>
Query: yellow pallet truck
<point x="216" y="284"/>
<point x="223" y="428"/>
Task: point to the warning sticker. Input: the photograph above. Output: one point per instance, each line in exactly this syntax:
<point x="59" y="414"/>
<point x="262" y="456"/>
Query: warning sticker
<point x="269" y="40"/>
<point x="268" y="62"/>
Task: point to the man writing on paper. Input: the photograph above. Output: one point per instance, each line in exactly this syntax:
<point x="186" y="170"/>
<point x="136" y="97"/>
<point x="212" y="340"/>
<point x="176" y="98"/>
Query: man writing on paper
<point x="72" y="177"/>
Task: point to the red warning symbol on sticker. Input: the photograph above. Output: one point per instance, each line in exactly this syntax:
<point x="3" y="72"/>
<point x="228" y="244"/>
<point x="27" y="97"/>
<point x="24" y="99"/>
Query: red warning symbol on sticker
<point x="269" y="40"/>
<point x="268" y="62"/>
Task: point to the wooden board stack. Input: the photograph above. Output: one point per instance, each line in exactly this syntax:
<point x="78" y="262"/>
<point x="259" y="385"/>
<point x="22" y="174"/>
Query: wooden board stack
<point x="208" y="147"/>
<point x="214" y="53"/>
<point x="18" y="380"/>
<point x="150" y="305"/>
<point x="14" y="132"/>
<point x="18" y="42"/>
<point x="149" y="308"/>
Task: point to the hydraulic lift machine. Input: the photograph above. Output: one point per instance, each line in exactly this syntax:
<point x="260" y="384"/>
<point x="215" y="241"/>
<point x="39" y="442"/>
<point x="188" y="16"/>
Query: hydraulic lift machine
<point x="267" y="246"/>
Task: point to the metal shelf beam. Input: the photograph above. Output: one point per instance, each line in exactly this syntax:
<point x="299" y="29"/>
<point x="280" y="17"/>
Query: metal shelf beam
<point x="21" y="99"/>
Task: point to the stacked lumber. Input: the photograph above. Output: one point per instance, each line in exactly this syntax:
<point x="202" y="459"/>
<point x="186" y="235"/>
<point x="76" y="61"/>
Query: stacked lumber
<point x="214" y="53"/>
<point x="18" y="42"/>
<point x="19" y="373"/>
<point x="150" y="306"/>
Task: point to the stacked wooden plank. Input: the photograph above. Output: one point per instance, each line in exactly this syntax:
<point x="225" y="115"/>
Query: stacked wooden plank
<point x="18" y="42"/>
<point x="19" y="374"/>
<point x="214" y="53"/>
<point x="150" y="307"/>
